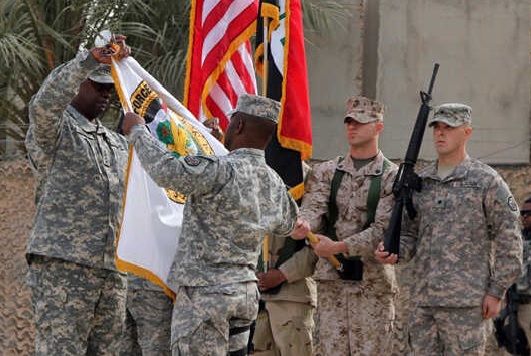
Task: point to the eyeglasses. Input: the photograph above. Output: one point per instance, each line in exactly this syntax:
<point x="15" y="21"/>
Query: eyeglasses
<point x="525" y="212"/>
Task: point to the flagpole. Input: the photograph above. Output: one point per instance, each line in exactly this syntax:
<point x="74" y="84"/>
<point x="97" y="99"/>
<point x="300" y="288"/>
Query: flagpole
<point x="265" y="67"/>
<point x="266" y="56"/>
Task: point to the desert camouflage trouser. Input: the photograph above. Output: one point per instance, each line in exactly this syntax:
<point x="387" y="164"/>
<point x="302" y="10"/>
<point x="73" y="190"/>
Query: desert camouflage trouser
<point x="284" y="328"/>
<point x="352" y="322"/>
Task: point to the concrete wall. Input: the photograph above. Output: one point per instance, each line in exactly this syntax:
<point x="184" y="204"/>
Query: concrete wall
<point x="334" y="61"/>
<point x="386" y="50"/>
<point x="483" y="49"/>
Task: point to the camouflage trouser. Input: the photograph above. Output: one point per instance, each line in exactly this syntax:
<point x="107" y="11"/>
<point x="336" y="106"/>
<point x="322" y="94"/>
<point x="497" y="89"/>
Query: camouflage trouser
<point x="284" y="328"/>
<point x="78" y="310"/>
<point x="352" y="322"/>
<point x="448" y="331"/>
<point x="213" y="320"/>
<point x="399" y="343"/>
<point x="148" y="323"/>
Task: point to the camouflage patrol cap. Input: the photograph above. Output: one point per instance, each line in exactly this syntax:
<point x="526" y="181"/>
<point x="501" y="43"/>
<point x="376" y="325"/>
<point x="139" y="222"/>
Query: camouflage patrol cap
<point x="258" y="106"/>
<point x="364" y="110"/>
<point x="102" y="74"/>
<point x="452" y="114"/>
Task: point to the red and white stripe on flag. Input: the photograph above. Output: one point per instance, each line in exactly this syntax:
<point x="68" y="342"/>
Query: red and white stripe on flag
<point x="220" y="61"/>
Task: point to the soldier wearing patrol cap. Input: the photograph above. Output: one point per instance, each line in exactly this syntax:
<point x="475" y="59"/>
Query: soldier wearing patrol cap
<point x="78" y="295"/>
<point x="102" y="74"/>
<point x="232" y="202"/>
<point x="466" y="242"/>
<point x="348" y="202"/>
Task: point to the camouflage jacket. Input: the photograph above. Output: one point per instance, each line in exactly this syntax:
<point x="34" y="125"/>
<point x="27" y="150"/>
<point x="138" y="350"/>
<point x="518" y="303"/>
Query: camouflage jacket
<point x="466" y="238"/>
<point x="232" y="202"/>
<point x="80" y="171"/>
<point x="352" y="215"/>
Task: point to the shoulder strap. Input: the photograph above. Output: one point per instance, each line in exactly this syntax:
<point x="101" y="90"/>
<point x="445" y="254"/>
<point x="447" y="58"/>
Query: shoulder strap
<point x="373" y="196"/>
<point x="332" y="205"/>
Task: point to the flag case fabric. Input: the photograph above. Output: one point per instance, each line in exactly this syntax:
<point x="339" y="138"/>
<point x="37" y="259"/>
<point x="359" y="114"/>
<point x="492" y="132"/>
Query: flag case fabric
<point x="152" y="216"/>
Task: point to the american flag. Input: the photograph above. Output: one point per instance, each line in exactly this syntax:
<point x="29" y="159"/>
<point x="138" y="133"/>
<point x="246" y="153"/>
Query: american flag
<point x="220" y="61"/>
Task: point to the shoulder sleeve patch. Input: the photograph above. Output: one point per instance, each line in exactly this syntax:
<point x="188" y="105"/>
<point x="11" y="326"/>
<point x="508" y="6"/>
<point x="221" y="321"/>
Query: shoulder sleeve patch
<point x="192" y="161"/>
<point x="512" y="203"/>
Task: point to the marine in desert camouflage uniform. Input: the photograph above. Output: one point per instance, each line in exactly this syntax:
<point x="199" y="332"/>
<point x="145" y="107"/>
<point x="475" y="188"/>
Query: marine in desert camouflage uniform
<point x="232" y="202"/>
<point x="465" y="240"/>
<point x="78" y="295"/>
<point x="353" y="317"/>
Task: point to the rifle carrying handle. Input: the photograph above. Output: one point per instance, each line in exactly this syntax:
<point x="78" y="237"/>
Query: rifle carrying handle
<point x="313" y="239"/>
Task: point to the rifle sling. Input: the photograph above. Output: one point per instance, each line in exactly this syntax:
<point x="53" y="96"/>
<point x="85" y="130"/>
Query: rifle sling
<point x="373" y="197"/>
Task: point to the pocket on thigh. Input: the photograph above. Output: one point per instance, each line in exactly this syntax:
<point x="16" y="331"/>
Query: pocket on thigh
<point x="186" y="316"/>
<point x="471" y="341"/>
<point x="262" y="339"/>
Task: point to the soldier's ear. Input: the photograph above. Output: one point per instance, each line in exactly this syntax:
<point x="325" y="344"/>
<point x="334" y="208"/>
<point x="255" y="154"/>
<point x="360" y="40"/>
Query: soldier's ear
<point x="239" y="126"/>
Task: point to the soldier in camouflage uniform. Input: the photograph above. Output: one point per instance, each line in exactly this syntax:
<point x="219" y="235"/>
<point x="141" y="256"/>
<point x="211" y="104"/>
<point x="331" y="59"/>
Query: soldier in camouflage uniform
<point x="78" y="295"/>
<point x="232" y="202"/>
<point x="466" y="242"/>
<point x="149" y="308"/>
<point x="286" y="324"/>
<point x="354" y="317"/>
<point x="523" y="286"/>
<point x="148" y="319"/>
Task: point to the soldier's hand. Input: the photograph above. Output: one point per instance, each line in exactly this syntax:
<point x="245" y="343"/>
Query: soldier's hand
<point x="213" y="125"/>
<point x="491" y="306"/>
<point x="270" y="279"/>
<point x="302" y="228"/>
<point x="382" y="256"/>
<point x="131" y="119"/>
<point x="116" y="48"/>
<point x="326" y="247"/>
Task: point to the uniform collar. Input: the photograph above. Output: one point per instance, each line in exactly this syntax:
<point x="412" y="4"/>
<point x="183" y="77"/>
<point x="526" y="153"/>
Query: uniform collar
<point x="83" y="123"/>
<point x="460" y="171"/>
<point x="374" y="168"/>
<point x="248" y="151"/>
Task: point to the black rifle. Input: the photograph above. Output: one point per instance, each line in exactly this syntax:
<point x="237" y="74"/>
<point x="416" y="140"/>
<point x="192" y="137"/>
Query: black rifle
<point x="407" y="180"/>
<point x="511" y="335"/>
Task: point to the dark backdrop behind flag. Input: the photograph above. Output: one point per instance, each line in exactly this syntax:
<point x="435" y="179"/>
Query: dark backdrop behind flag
<point x="287" y="82"/>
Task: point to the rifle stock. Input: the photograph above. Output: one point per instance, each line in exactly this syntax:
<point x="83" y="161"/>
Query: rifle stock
<point x="407" y="180"/>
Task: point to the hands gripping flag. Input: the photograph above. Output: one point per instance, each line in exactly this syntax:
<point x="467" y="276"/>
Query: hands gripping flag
<point x="152" y="216"/>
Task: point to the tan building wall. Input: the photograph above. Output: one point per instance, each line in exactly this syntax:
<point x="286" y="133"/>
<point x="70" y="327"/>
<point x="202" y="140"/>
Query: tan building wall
<point x="483" y="49"/>
<point x="385" y="49"/>
<point x="334" y="60"/>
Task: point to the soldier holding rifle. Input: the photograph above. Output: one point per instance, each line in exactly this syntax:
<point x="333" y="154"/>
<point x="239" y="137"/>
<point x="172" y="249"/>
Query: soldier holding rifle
<point x="466" y="240"/>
